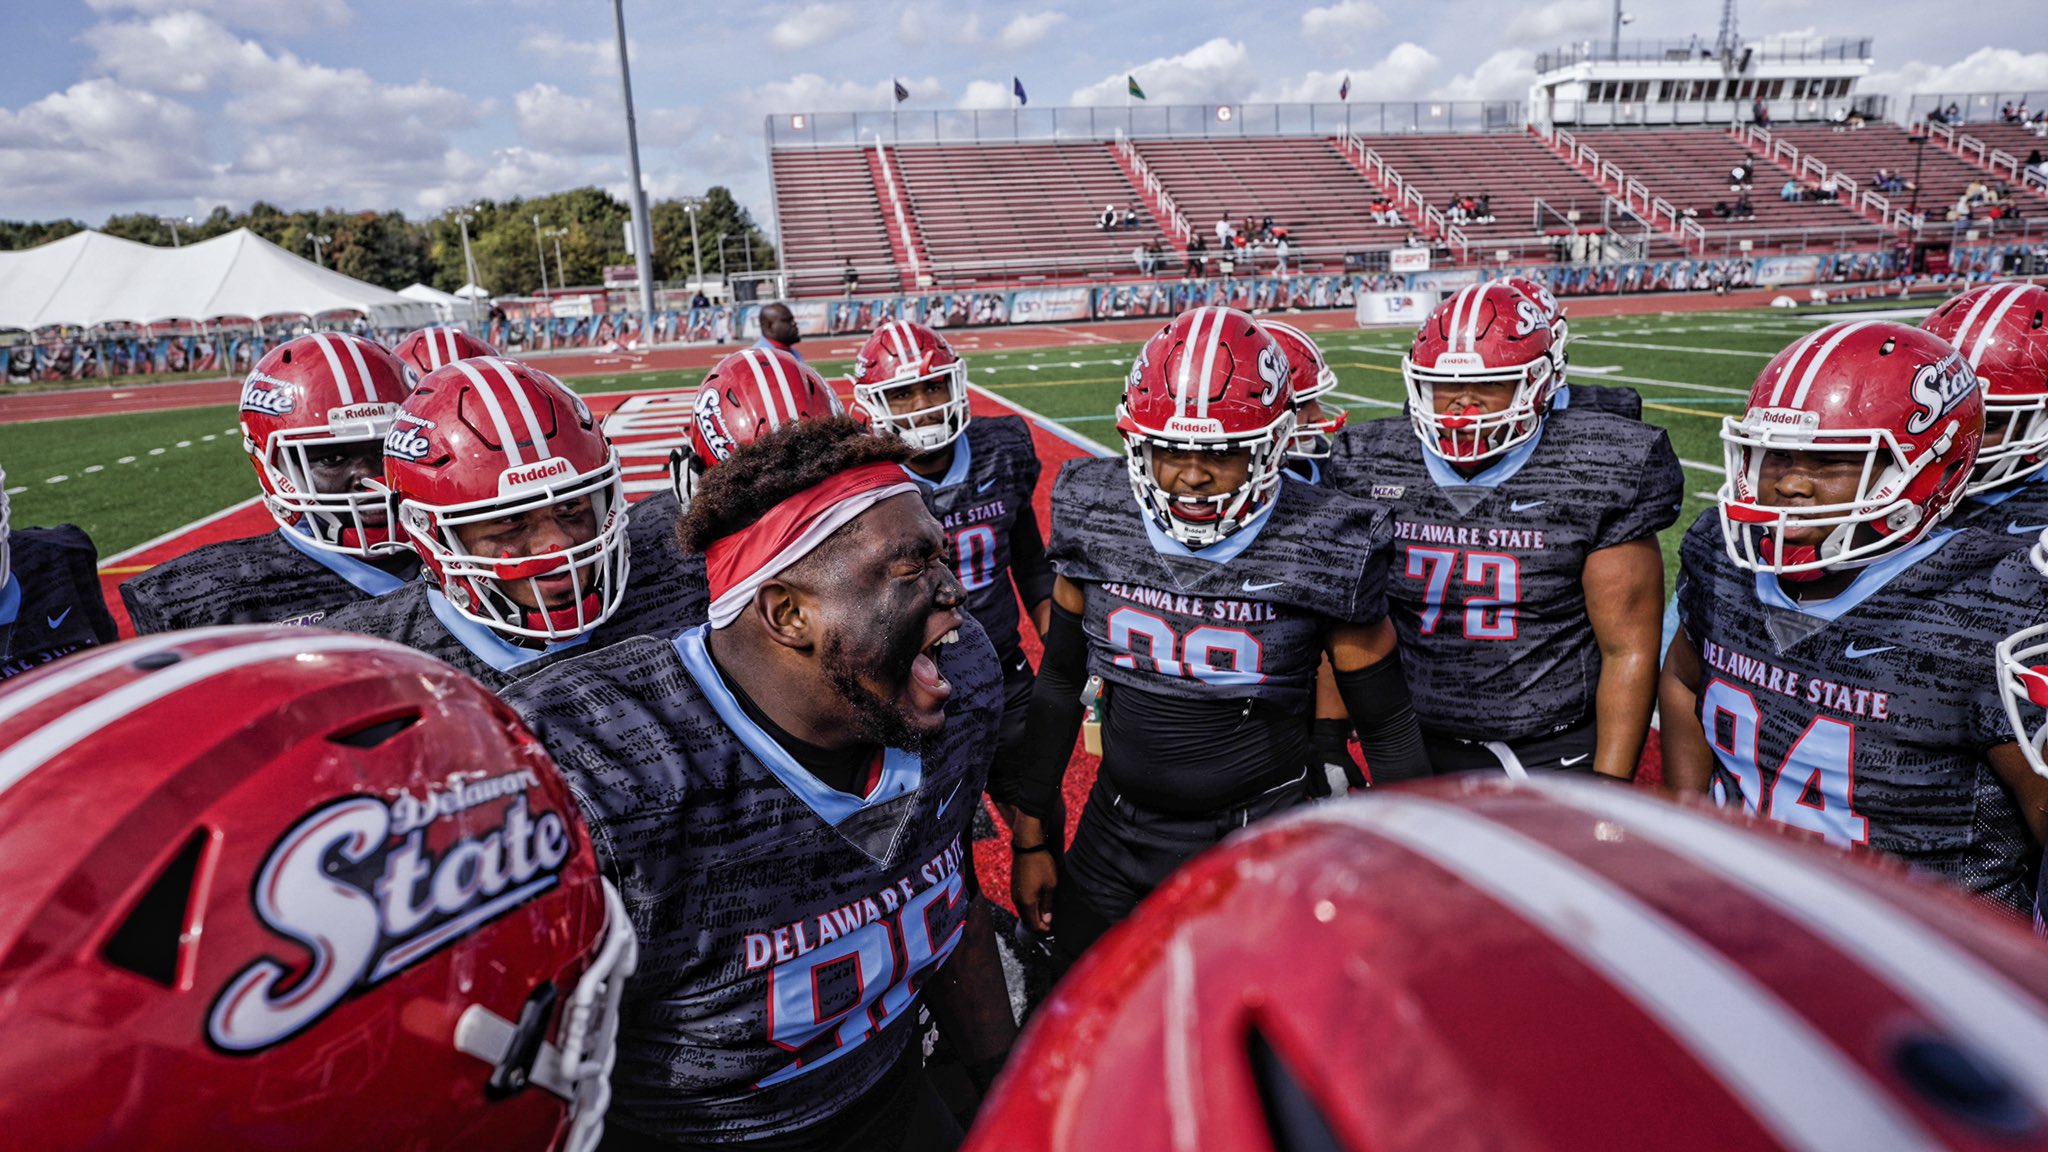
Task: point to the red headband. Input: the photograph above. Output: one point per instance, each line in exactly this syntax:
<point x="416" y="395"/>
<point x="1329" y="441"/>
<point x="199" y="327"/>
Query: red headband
<point x="737" y="565"/>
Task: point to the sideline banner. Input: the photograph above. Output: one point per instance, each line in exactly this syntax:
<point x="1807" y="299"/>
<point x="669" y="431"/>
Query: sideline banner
<point x="1402" y="308"/>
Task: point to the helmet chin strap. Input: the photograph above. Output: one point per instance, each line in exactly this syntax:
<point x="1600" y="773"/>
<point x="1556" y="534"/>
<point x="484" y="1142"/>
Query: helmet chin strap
<point x="352" y="537"/>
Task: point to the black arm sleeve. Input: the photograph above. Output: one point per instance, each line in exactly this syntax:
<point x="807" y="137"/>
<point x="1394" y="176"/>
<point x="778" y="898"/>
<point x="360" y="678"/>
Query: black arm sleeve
<point x="1377" y="698"/>
<point x="1028" y="565"/>
<point x="1032" y="781"/>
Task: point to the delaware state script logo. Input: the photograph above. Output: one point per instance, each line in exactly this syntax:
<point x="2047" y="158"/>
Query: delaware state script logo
<point x="1937" y="388"/>
<point x="267" y="394"/>
<point x="406" y="440"/>
<point x="360" y="888"/>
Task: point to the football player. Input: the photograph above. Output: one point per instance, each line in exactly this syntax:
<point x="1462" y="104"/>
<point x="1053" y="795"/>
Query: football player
<point x="1549" y="965"/>
<point x="407" y="942"/>
<point x="2002" y="332"/>
<point x="1202" y="592"/>
<point x="51" y="601"/>
<point x="1314" y="426"/>
<point x="1528" y="585"/>
<point x="500" y="479"/>
<point x="425" y="350"/>
<point x="1829" y="670"/>
<point x="315" y="411"/>
<point x="1620" y="401"/>
<point x="979" y="477"/>
<point x="784" y="795"/>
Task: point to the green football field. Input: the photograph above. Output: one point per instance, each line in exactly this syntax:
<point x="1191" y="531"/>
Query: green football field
<point x="129" y="478"/>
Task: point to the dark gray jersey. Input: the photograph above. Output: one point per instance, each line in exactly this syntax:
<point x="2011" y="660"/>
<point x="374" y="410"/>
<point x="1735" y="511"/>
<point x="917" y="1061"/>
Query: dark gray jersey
<point x="785" y="927"/>
<point x="2018" y="510"/>
<point x="665" y="593"/>
<point x="1865" y="719"/>
<point x="1488" y="576"/>
<point x="52" y="604"/>
<point x="978" y="502"/>
<point x="255" y="580"/>
<point x="1613" y="399"/>
<point x="1242" y="619"/>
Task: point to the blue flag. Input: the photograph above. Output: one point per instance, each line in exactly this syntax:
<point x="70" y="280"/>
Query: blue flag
<point x="1017" y="86"/>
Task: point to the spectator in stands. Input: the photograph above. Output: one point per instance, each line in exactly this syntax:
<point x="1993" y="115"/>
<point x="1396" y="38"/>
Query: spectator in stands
<point x="700" y="300"/>
<point x="1744" y="210"/>
<point x="1142" y="256"/>
<point x="1456" y="212"/>
<point x="1107" y="220"/>
<point x="2009" y="114"/>
<point x="1952" y="114"/>
<point x="1383" y="211"/>
<point x="1482" y="208"/>
<point x="1739" y="177"/>
<point x="1266" y="227"/>
<point x="1760" y="112"/>
<point x="849" y="278"/>
<point x="1131" y="218"/>
<point x="1279" y="254"/>
<point x="1830" y="189"/>
<point x="1721" y="210"/>
<point x="778" y="330"/>
<point x="1198" y="256"/>
<point x="1224" y="230"/>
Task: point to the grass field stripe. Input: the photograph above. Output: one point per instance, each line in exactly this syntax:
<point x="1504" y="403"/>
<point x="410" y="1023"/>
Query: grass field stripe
<point x="1092" y="447"/>
<point x="1689" y="350"/>
<point x="1686" y="411"/>
<point x="1717" y="389"/>
<point x="326" y="342"/>
<point x="506" y="440"/>
<point x="1793" y="1080"/>
<point x="1697" y="466"/>
<point x="1949" y="984"/>
<point x="158" y="541"/>
<point x="1813" y="366"/>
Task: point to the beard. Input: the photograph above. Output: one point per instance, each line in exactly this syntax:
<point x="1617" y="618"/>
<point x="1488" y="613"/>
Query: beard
<point x="877" y="719"/>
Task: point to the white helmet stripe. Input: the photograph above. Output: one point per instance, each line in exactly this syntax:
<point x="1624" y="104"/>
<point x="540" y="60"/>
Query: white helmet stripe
<point x="533" y="428"/>
<point x="754" y="359"/>
<point x="1792" y="1079"/>
<point x="355" y="353"/>
<point x="2012" y="295"/>
<point x="1472" y="318"/>
<point x="782" y="384"/>
<point x="326" y="342"/>
<point x="1950" y="985"/>
<point x="496" y="409"/>
<point x="442" y="341"/>
<point x="1820" y="358"/>
<point x="36" y="749"/>
<point x="1218" y="317"/>
<point x="1180" y="381"/>
<point x="1799" y="349"/>
<point x="906" y="344"/>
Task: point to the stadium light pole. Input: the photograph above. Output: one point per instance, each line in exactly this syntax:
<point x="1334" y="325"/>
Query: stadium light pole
<point x="540" y="249"/>
<point x="174" y="221"/>
<point x="462" y="220"/>
<point x="643" y="249"/>
<point x="696" y="250"/>
<point x="556" y="235"/>
<point x="318" y="241"/>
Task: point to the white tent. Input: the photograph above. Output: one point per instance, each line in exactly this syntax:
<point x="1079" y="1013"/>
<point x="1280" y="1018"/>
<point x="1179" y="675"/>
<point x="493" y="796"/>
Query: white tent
<point x="447" y="305"/>
<point x="92" y="278"/>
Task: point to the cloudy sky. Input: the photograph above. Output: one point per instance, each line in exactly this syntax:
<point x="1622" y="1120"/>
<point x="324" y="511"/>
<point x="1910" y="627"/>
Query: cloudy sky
<point x="177" y="105"/>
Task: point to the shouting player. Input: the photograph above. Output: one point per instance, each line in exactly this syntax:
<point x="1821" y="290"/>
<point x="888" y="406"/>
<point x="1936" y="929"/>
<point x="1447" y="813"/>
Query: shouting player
<point x="1830" y="668"/>
<point x="1619" y="401"/>
<point x="783" y="795"/>
<point x="1203" y="591"/>
<point x="979" y="477"/>
<point x="2002" y="332"/>
<point x="502" y="482"/>
<point x="315" y="411"/>
<point x="51" y="601"/>
<point x="1528" y="585"/>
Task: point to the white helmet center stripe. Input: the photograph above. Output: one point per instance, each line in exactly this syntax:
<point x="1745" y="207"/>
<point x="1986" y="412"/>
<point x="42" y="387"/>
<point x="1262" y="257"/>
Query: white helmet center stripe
<point x="1820" y="358"/>
<point x="441" y="346"/>
<point x="2011" y="296"/>
<point x="783" y="385"/>
<point x="1948" y="983"/>
<point x="1792" y="1079"/>
<point x="355" y="353"/>
<point x="754" y="359"/>
<point x="1218" y="317"/>
<point x="1472" y="318"/>
<point x="326" y="342"/>
<point x="1801" y="348"/>
<point x="525" y="403"/>
<point x="496" y="410"/>
<point x="906" y="345"/>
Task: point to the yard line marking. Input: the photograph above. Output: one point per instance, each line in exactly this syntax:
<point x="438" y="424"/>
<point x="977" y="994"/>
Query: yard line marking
<point x="1716" y="469"/>
<point x="109" y="562"/>
<point x="1674" y="348"/>
<point x="1686" y="411"/>
<point x="1086" y="444"/>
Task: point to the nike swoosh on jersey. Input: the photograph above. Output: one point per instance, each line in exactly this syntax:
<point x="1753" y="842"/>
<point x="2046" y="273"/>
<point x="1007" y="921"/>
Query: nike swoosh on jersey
<point x="1568" y="761"/>
<point x="1525" y="505"/>
<point x="1251" y="587"/>
<point x="2015" y="528"/>
<point x="947" y="802"/>
<point x="1855" y="653"/>
<point x="57" y="621"/>
<point x="988" y="484"/>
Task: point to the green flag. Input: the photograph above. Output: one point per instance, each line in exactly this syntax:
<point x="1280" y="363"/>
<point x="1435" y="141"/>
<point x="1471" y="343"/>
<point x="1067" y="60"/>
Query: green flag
<point x="1134" y="89"/>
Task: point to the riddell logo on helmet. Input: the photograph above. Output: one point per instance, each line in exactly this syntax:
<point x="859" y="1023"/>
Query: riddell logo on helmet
<point x="1937" y="388"/>
<point x="1194" y="425"/>
<point x="369" y="892"/>
<point x="1460" y="360"/>
<point x="526" y="476"/>
<point x="353" y="413"/>
<point x="267" y="394"/>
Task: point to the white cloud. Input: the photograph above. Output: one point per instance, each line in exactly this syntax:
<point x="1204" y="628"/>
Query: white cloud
<point x="1505" y="75"/>
<point x="597" y="57"/>
<point x="1217" y="72"/>
<point x="1345" y="26"/>
<point x="911" y="26"/>
<point x="985" y="94"/>
<point x="1402" y="74"/>
<point x="282" y="16"/>
<point x="810" y="92"/>
<point x="502" y="175"/>
<point x="1559" y="22"/>
<point x="557" y="121"/>
<point x="183" y="52"/>
<point x="98" y="144"/>
<point x="1985" y="70"/>
<point x="810" y="26"/>
<point x="1028" y="28"/>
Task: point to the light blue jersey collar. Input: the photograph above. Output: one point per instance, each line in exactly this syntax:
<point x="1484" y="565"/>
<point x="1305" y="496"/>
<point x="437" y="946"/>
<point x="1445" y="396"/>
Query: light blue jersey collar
<point x="1223" y="550"/>
<point x="487" y="645"/>
<point x="1304" y="470"/>
<point x="1562" y="398"/>
<point x="902" y="772"/>
<point x="956" y="472"/>
<point x="1498" y="474"/>
<point x="367" y="578"/>
<point x="1868" y="582"/>
<point x="1994" y="499"/>
<point x="10" y="599"/>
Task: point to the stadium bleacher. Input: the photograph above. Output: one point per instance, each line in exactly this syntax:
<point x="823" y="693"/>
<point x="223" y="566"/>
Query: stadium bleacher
<point x="1943" y="176"/>
<point x="1304" y="183"/>
<point x="829" y="212"/>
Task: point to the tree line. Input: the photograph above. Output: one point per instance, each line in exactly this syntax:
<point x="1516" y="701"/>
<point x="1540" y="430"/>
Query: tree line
<point x="386" y="249"/>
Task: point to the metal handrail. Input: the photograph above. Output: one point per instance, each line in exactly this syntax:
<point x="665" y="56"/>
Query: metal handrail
<point x="902" y="223"/>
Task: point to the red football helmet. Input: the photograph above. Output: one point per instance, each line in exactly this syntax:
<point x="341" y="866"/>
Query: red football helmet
<point x="1313" y="379"/>
<point x="2002" y="330"/>
<point x="1553" y="312"/>
<point x="6" y="531"/>
<point x="486" y="439"/>
<point x="899" y="354"/>
<point x="283" y="888"/>
<point x="1484" y="334"/>
<point x="747" y="395"/>
<point x="428" y="349"/>
<point x="1211" y="380"/>
<point x="1900" y="398"/>
<point x="1547" y="964"/>
<point x="325" y="391"/>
